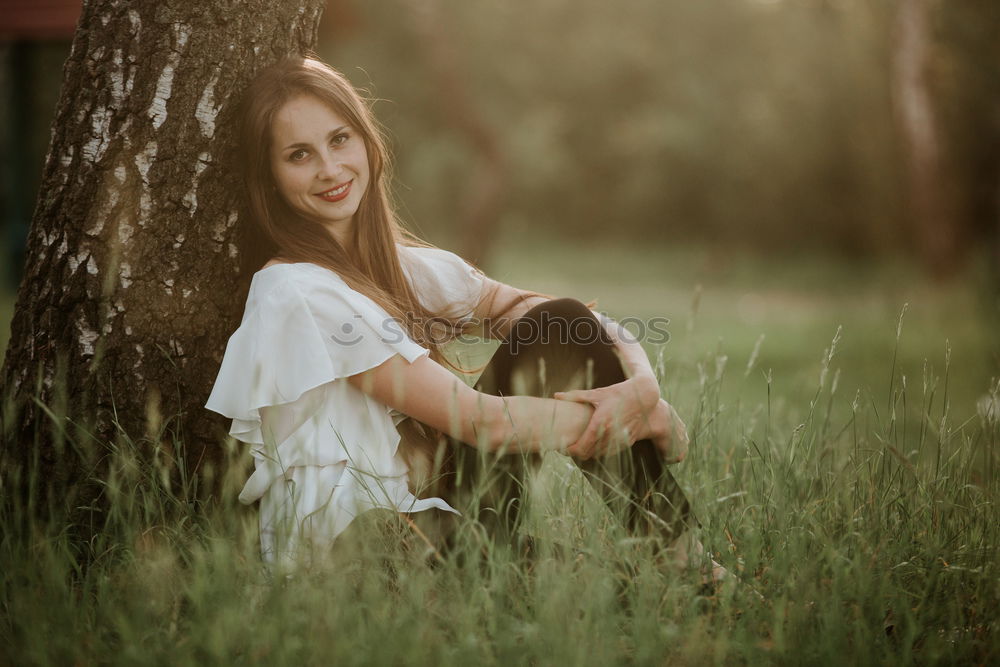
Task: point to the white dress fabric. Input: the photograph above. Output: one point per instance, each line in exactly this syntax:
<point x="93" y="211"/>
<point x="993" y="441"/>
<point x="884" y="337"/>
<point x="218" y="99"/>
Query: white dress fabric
<point x="324" y="452"/>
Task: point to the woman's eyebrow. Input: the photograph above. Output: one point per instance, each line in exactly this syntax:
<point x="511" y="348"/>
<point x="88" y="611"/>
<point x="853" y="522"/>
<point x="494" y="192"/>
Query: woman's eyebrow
<point x="305" y="144"/>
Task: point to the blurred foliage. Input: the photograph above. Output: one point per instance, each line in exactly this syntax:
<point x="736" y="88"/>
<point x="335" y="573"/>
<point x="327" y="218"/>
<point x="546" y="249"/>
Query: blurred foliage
<point x="752" y="122"/>
<point x="760" y="123"/>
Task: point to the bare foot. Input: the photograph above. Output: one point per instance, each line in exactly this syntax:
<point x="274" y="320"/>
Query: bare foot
<point x="712" y="579"/>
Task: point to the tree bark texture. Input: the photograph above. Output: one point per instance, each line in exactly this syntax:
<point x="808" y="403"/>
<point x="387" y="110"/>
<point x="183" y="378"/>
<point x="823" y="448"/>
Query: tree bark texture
<point x="130" y="286"/>
<point x="934" y="219"/>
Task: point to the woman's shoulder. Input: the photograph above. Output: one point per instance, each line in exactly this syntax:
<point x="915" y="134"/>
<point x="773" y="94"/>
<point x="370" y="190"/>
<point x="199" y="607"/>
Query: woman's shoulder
<point x="276" y="273"/>
<point x="283" y="268"/>
<point x="275" y="262"/>
<point x="437" y="265"/>
<point x="278" y="287"/>
<point x="428" y="253"/>
<point x="287" y="289"/>
<point x="444" y="281"/>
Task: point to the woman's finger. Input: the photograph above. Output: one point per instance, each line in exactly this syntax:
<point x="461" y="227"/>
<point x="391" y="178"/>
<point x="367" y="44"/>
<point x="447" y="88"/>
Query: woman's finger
<point x="578" y="451"/>
<point x="606" y="441"/>
<point x="576" y="395"/>
<point x="584" y="447"/>
<point x="585" y="444"/>
<point x="616" y="438"/>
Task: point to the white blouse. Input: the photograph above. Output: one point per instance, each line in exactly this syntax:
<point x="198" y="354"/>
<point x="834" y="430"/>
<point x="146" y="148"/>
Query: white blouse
<point x="324" y="452"/>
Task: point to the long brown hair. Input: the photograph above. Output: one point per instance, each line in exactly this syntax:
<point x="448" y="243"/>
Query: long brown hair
<point x="371" y="265"/>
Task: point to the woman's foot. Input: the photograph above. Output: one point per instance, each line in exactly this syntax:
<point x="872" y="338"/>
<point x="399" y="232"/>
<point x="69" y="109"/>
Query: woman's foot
<point x="713" y="579"/>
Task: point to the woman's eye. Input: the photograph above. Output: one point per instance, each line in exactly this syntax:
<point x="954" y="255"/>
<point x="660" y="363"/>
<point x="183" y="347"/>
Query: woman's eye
<point x="297" y="155"/>
<point x="340" y="139"/>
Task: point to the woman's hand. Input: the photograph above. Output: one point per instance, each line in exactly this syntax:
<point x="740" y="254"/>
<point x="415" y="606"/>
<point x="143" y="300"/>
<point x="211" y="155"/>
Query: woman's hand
<point x="668" y="433"/>
<point x="623" y="413"/>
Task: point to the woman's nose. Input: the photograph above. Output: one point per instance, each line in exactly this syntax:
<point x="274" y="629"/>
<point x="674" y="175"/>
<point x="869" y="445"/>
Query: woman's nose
<point x="329" y="166"/>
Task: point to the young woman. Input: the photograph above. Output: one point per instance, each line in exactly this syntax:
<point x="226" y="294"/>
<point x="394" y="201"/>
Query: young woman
<point x="339" y="348"/>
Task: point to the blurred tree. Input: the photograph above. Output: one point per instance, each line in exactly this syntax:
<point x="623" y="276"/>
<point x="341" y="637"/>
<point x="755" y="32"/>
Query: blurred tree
<point x="35" y="39"/>
<point x="340" y="20"/>
<point x="968" y="76"/>
<point x="486" y="179"/>
<point x="28" y="95"/>
<point x="935" y="224"/>
<point x="740" y="121"/>
<point x="766" y="123"/>
<point x="127" y="297"/>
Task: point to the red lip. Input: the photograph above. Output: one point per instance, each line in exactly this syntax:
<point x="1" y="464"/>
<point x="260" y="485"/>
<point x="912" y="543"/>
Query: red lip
<point x="332" y="198"/>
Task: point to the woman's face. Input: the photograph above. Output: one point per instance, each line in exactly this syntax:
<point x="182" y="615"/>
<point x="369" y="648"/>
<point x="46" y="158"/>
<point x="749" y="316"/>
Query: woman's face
<point x="319" y="163"/>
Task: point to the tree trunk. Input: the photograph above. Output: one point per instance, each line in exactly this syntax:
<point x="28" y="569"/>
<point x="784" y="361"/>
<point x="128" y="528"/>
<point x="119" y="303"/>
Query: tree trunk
<point x="935" y="224"/>
<point x="128" y="292"/>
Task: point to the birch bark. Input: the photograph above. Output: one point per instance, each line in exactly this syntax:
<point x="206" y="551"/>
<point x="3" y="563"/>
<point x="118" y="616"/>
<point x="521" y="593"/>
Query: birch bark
<point x="128" y="292"/>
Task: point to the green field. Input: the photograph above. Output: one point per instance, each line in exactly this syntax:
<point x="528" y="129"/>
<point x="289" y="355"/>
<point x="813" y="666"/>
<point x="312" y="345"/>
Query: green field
<point x="852" y="487"/>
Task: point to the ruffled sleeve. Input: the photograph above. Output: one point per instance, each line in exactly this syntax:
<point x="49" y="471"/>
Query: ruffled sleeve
<point x="444" y="282"/>
<point x="331" y="451"/>
<point x="303" y="327"/>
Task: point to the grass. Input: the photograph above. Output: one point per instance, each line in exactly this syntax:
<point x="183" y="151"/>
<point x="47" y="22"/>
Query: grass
<point x="861" y="505"/>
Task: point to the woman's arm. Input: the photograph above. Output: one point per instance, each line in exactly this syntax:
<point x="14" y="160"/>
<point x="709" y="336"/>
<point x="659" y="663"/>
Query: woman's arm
<point x="428" y="392"/>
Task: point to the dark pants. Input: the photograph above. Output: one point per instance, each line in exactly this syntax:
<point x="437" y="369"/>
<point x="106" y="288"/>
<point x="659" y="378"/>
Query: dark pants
<point x="557" y="346"/>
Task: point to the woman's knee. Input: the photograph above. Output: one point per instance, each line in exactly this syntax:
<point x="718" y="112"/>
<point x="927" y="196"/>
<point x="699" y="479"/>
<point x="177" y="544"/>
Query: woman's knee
<point x="561" y="321"/>
<point x="563" y="307"/>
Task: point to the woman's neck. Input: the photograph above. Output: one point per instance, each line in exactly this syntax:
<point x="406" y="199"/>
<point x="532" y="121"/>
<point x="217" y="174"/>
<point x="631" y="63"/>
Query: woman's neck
<point x="343" y="233"/>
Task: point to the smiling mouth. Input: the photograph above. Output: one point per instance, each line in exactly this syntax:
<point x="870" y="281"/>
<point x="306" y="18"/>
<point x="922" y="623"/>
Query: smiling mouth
<point x="337" y="193"/>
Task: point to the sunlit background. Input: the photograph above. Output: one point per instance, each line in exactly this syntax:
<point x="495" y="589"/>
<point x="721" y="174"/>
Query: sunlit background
<point x="746" y="168"/>
<point x="808" y="190"/>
